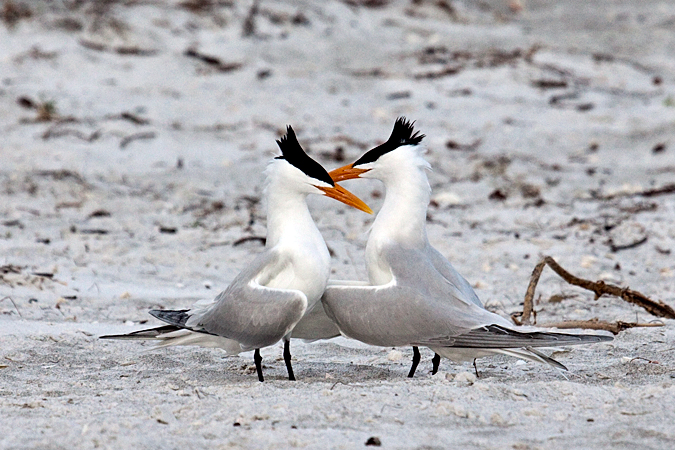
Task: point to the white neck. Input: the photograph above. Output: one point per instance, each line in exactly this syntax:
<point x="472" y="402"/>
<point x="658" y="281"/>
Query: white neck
<point x="288" y="218"/>
<point x="402" y="219"/>
<point x="293" y="233"/>
<point x="404" y="212"/>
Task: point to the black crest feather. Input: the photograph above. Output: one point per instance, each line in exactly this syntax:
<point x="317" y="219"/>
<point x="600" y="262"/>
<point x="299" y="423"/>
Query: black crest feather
<point x="403" y="134"/>
<point x="292" y="152"/>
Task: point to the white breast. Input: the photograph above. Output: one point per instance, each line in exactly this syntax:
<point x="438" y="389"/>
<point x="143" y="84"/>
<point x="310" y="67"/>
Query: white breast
<point x="308" y="272"/>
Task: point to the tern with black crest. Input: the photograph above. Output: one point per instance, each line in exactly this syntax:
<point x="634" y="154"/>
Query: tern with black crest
<point x="268" y="298"/>
<point x="415" y="297"/>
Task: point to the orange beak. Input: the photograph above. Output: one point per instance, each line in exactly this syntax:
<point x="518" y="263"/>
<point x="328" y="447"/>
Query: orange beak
<point x="347" y="172"/>
<point x="343" y="195"/>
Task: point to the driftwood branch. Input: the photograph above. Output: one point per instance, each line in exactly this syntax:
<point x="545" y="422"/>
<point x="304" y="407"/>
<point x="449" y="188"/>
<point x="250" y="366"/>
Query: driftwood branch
<point x="654" y="192"/>
<point x="528" y="305"/>
<point x="599" y="288"/>
<point x="658" y="309"/>
<point x="240" y="241"/>
<point x="15" y="307"/>
<point x="595" y="324"/>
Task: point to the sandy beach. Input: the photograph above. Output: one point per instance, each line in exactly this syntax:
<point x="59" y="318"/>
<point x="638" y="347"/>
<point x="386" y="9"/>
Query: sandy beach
<point x="133" y="139"/>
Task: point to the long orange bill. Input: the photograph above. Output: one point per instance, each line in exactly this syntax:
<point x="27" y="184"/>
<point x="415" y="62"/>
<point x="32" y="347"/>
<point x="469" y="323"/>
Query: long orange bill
<point x="346" y="173"/>
<point x="343" y="195"/>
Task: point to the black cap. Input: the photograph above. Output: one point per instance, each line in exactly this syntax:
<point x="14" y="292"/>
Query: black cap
<point x="292" y="152"/>
<point x="401" y="135"/>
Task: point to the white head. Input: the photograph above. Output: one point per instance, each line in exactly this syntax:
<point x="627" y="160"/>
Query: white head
<point x="294" y="172"/>
<point x="388" y="162"/>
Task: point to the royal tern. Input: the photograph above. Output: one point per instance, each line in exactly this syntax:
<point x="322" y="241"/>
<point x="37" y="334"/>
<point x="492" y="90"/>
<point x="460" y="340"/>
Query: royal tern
<point x="415" y="297"/>
<point x="268" y="298"/>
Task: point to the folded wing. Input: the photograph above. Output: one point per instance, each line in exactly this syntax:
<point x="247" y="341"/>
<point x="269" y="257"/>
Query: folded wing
<point x="250" y="312"/>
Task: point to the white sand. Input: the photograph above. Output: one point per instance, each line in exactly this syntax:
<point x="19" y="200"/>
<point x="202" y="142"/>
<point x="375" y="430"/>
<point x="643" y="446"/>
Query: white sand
<point x="60" y="387"/>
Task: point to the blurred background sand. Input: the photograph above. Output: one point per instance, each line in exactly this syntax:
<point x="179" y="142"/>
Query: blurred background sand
<point x="133" y="139"/>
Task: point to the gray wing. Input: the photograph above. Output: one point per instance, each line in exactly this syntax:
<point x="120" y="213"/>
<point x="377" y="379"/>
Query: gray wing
<point x="388" y="315"/>
<point x="455" y="301"/>
<point x="422" y="307"/>
<point x="250" y="313"/>
<point x="443" y="266"/>
<point x="418" y="305"/>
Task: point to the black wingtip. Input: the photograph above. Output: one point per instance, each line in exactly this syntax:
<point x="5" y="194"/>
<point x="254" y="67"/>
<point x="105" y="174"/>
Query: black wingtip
<point x="150" y="333"/>
<point x="177" y="318"/>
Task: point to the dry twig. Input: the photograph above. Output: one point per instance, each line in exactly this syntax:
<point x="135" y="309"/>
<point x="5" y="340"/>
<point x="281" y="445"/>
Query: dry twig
<point x="240" y="241"/>
<point x="213" y="61"/>
<point x="595" y="324"/>
<point x="528" y="307"/>
<point x="653" y="192"/>
<point x="600" y="288"/>
<point x="15" y="307"/>
<point x="136" y="136"/>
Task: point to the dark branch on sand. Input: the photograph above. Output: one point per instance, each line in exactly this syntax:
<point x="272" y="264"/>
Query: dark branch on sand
<point x="528" y="306"/>
<point x="595" y="324"/>
<point x="653" y="192"/>
<point x="600" y="288"/>
<point x="240" y="241"/>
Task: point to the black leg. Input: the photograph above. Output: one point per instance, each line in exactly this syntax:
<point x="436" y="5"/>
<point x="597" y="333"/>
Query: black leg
<point x="416" y="361"/>
<point x="287" y="360"/>
<point x="436" y="361"/>
<point x="475" y="368"/>
<point x="258" y="364"/>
